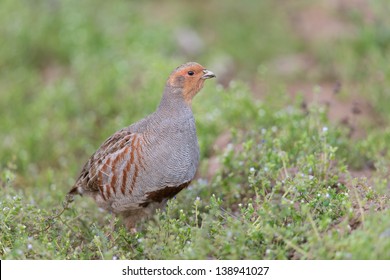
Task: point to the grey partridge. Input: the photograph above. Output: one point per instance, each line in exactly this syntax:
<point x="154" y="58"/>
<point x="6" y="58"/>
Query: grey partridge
<point x="140" y="167"/>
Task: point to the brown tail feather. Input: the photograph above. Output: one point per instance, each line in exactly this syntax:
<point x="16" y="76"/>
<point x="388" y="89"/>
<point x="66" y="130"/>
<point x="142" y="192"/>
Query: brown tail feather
<point x="74" y="191"/>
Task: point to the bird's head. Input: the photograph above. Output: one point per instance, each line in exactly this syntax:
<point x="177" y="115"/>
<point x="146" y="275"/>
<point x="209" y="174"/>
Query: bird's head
<point x="189" y="78"/>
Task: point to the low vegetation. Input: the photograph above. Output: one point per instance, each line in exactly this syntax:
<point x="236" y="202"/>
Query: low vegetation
<point x="280" y="177"/>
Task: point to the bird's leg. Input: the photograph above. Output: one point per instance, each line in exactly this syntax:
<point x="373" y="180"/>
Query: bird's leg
<point x="130" y="222"/>
<point x="112" y="229"/>
<point x="112" y="224"/>
<point x="130" y="219"/>
<point x="133" y="230"/>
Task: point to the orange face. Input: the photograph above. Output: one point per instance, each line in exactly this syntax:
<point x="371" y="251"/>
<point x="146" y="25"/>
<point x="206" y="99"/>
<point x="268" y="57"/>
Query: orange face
<point x="190" y="77"/>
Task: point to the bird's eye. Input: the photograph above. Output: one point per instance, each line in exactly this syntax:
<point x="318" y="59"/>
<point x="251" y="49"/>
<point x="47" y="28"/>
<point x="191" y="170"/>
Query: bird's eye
<point x="191" y="73"/>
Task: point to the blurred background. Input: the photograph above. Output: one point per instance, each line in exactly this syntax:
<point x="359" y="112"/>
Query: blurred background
<point x="73" y="72"/>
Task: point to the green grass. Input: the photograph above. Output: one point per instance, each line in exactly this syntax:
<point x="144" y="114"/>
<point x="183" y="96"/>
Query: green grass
<point x="289" y="185"/>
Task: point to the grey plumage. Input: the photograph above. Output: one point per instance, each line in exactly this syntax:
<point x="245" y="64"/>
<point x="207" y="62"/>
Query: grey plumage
<point x="140" y="167"/>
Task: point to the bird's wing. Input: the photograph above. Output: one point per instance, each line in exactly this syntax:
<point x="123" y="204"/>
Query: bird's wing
<point x="99" y="163"/>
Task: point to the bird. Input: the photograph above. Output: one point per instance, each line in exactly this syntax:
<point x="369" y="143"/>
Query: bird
<point x="140" y="167"/>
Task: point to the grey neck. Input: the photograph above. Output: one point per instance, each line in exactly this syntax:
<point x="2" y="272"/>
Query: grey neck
<point x="173" y="103"/>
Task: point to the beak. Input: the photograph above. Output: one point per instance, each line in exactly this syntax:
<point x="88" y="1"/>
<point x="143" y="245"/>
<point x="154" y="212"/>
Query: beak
<point x="208" y="74"/>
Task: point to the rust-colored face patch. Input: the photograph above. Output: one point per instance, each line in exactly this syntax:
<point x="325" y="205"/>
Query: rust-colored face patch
<point x="189" y="77"/>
